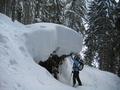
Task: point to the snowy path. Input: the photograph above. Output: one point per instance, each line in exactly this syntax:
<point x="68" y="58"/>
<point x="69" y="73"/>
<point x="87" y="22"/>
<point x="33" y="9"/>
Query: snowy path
<point x="92" y="79"/>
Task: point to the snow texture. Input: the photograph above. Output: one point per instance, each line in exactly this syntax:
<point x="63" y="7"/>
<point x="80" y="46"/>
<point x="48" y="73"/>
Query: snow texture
<point x="22" y="46"/>
<point x="47" y="37"/>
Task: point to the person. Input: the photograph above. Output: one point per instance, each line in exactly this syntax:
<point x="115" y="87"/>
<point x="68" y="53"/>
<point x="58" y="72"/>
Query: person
<point x="76" y="68"/>
<point x="56" y="61"/>
<point x="55" y="72"/>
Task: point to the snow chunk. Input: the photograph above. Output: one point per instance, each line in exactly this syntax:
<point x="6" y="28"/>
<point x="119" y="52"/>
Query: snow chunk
<point x="44" y="38"/>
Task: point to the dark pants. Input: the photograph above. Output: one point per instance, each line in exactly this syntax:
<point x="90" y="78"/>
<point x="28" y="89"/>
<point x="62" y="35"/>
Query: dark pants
<point x="76" y="77"/>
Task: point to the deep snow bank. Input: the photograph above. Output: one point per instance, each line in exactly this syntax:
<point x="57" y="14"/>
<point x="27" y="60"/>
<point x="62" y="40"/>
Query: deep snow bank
<point x="18" y="71"/>
<point x="47" y="37"/>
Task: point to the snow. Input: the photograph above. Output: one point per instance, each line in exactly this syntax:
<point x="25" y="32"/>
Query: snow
<point x="54" y="36"/>
<point x="22" y="46"/>
<point x="117" y="0"/>
<point x="92" y="79"/>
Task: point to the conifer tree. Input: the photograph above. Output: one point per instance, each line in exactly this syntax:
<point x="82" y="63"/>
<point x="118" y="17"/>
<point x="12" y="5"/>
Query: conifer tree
<point x="116" y="15"/>
<point x="75" y="14"/>
<point x="100" y="32"/>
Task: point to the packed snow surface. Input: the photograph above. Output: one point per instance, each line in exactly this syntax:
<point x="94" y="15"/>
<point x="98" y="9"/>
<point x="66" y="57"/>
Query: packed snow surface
<point x="22" y="47"/>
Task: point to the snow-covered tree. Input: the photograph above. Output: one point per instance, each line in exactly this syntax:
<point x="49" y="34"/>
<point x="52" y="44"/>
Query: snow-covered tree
<point x="116" y="15"/>
<point x="100" y="33"/>
<point x="75" y="14"/>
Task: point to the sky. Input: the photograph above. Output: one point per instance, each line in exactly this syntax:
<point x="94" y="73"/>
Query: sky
<point x="116" y="0"/>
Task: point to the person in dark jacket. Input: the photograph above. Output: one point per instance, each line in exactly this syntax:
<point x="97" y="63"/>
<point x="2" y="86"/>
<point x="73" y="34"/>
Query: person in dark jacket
<point x="76" y="69"/>
<point x="56" y="61"/>
<point x="55" y="72"/>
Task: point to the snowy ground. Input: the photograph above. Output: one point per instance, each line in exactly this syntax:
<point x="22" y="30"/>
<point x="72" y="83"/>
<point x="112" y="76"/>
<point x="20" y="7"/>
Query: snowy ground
<point x="21" y="47"/>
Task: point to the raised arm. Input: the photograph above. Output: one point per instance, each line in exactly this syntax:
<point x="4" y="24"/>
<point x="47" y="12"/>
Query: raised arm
<point x="64" y="56"/>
